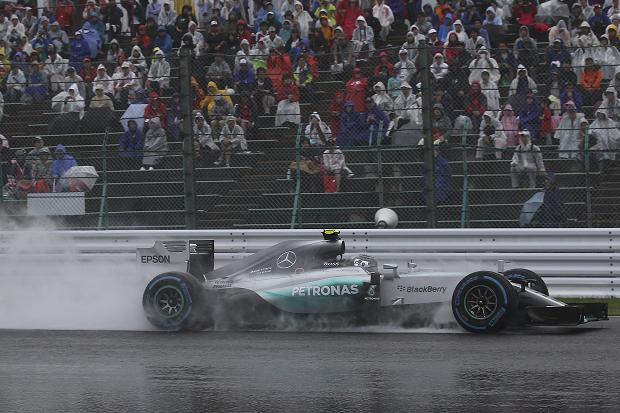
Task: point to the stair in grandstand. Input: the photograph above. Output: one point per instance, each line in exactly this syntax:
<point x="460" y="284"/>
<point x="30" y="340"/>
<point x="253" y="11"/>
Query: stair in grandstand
<point x="606" y="198"/>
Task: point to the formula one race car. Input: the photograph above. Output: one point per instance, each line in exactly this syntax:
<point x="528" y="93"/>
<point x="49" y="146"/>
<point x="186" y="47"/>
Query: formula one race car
<point x="313" y="282"/>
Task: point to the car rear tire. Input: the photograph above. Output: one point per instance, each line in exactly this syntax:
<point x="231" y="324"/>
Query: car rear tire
<point x="484" y="302"/>
<point x="534" y="281"/>
<point x="175" y="302"/>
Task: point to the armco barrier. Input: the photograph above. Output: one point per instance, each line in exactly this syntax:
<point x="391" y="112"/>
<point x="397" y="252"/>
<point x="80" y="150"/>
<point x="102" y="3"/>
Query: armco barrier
<point x="575" y="262"/>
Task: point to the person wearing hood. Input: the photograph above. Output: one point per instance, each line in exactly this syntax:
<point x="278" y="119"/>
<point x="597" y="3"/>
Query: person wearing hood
<point x="286" y="31"/>
<point x="571" y="93"/>
<point x="510" y="126"/>
<point x="585" y="39"/>
<point x="351" y="127"/>
<point x="93" y="39"/>
<point x="167" y="15"/>
<point x="611" y="105"/>
<point x="442" y="172"/>
<point x="608" y="57"/>
<point x="459" y="31"/>
<point x="303" y="19"/>
<point x="607" y="136"/>
<point x="612" y="33"/>
<point x="439" y="68"/>
<point x="232" y="139"/>
<point x="79" y="50"/>
<point x="567" y="132"/>
<point x="384" y="14"/>
<point x="131" y="144"/>
<point x="363" y="37"/>
<point x="60" y="165"/>
<point x="317" y="132"/>
<point x="445" y="29"/>
<point x="15" y="84"/>
<point x="163" y="41"/>
<point x="475" y="105"/>
<point x="159" y="72"/>
<point x="530" y="116"/>
<point x="375" y="122"/>
<point x="523" y="83"/>
<point x="155" y="144"/>
<point x="383" y="101"/>
<point x="156" y="108"/>
<point x="482" y="62"/>
<point x="74" y="78"/>
<point x="153" y="9"/>
<point x="101" y="100"/>
<point x="527" y="160"/>
<point x="560" y="31"/>
<point x="205" y="147"/>
<point x="552" y="212"/>
<point x="491" y="136"/>
<point x="58" y="37"/>
<point x="69" y="102"/>
<point x="524" y="37"/>
<point x="491" y="91"/>
<point x="138" y="63"/>
<point x="19" y="169"/>
<point x="347" y="13"/>
<point x="475" y="42"/>
<point x="406" y="108"/>
<point x="405" y="67"/>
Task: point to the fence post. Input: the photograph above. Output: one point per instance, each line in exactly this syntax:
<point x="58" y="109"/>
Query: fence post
<point x="427" y="129"/>
<point x="465" y="198"/>
<point x="586" y="161"/>
<point x="103" y="205"/>
<point x="187" y="132"/>
<point x="296" y="214"/>
<point x="380" y="166"/>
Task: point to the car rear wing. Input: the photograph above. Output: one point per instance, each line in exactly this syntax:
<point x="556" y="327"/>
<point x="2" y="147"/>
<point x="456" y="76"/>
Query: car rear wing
<point x="194" y="256"/>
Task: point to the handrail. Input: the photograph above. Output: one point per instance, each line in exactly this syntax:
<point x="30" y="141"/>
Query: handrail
<point x="296" y="213"/>
<point x="103" y="205"/>
<point x="380" y="166"/>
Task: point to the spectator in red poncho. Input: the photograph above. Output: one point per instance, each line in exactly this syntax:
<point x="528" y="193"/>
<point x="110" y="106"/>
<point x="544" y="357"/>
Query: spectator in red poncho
<point x="156" y="108"/>
<point x="243" y="32"/>
<point x="143" y="39"/>
<point x="88" y="72"/>
<point x="525" y="13"/>
<point x="476" y="105"/>
<point x="347" y="13"/>
<point x="335" y="108"/>
<point x="356" y="90"/>
<point x="278" y="64"/>
<point x="64" y="13"/>
<point x="384" y="61"/>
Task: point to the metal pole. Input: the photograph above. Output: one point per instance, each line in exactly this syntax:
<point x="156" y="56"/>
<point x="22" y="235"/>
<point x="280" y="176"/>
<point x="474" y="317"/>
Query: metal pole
<point x="465" y="198"/>
<point x="103" y="207"/>
<point x="586" y="160"/>
<point x="296" y="215"/>
<point x="187" y="133"/>
<point x="427" y="132"/>
<point x="380" y="166"/>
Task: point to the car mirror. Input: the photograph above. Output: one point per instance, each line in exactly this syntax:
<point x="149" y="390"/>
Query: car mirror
<point x="394" y="273"/>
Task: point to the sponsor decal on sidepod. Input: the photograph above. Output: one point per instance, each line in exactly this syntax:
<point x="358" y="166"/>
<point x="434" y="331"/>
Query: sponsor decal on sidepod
<point x="325" y="290"/>
<point x="425" y="289"/>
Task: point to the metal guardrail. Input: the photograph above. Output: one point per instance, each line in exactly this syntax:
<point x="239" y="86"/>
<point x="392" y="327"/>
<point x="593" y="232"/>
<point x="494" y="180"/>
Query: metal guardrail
<point x="575" y="262"/>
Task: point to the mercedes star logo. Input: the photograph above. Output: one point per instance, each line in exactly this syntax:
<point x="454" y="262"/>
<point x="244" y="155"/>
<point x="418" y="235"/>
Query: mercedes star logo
<point x="286" y="260"/>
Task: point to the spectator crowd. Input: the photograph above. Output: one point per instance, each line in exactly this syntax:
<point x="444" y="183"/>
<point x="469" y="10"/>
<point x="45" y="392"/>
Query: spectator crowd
<point x="520" y="73"/>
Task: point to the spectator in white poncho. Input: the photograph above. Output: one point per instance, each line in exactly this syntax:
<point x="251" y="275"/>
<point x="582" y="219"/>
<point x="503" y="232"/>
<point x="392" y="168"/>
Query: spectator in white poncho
<point x="483" y="61"/>
<point x="159" y="72"/>
<point x="567" y="132"/>
<point x="317" y="131"/>
<point x="607" y="136"/>
<point x="69" y="102"/>
<point x="491" y="136"/>
<point x="439" y="68"/>
<point x="611" y="105"/>
<point x="382" y="99"/>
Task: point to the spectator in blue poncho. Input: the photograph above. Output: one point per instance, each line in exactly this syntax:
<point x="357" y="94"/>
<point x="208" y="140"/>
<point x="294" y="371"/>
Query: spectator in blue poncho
<point x="131" y="145"/>
<point x="79" y="50"/>
<point x="443" y="178"/>
<point x="552" y="213"/>
<point x="351" y="132"/>
<point x="374" y="123"/>
<point x="92" y="39"/>
<point x="445" y="28"/>
<point x="529" y="116"/>
<point x="60" y="165"/>
<point x="163" y="40"/>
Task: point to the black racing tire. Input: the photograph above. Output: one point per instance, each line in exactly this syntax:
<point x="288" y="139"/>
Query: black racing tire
<point x="535" y="282"/>
<point x="484" y="302"/>
<point x="175" y="301"/>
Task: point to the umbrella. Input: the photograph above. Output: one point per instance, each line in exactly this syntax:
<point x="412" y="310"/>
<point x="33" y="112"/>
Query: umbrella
<point x="530" y="208"/>
<point x="136" y="112"/>
<point x="86" y="175"/>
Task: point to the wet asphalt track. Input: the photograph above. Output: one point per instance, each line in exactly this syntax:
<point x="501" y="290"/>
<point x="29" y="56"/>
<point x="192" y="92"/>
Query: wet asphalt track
<point x="535" y="370"/>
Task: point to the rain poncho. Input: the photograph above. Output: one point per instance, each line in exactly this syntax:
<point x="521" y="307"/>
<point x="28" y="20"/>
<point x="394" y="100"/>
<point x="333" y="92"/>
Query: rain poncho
<point x="483" y="61"/>
<point x="611" y="105"/>
<point x="351" y="131"/>
<point x="529" y="117"/>
<point x="568" y="133"/>
<point x="318" y="134"/>
<point x="92" y="38"/>
<point x="382" y="99"/>
<point x="74" y="104"/>
<point x="510" y="125"/>
<point x="560" y="31"/>
<point x="159" y="70"/>
<point x="439" y="68"/>
<point x="155" y="143"/>
<point x="62" y="165"/>
<point x="521" y="85"/>
<point x="460" y="33"/>
<point x="609" y="59"/>
<point x="490" y="90"/>
<point x="607" y="135"/>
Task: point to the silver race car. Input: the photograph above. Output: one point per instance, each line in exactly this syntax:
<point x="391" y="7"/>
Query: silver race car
<point x="306" y="283"/>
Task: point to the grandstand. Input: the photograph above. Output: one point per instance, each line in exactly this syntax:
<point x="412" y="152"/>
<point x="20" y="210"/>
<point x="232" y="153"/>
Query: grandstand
<point x="256" y="191"/>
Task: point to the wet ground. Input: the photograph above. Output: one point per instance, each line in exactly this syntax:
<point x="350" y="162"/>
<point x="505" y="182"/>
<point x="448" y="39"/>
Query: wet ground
<point x="373" y="370"/>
